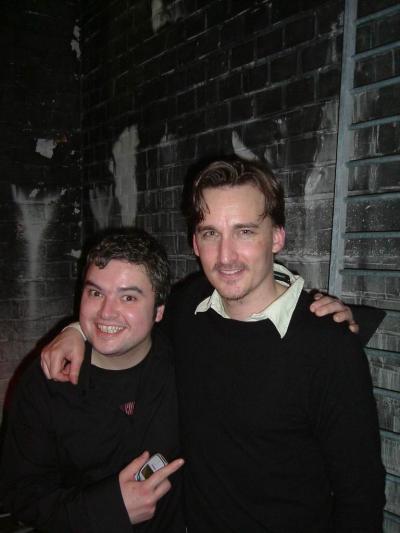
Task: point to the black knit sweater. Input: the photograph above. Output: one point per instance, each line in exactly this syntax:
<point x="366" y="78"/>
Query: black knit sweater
<point x="280" y="435"/>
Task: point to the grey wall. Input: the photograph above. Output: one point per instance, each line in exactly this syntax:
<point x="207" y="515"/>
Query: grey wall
<point x="40" y="179"/>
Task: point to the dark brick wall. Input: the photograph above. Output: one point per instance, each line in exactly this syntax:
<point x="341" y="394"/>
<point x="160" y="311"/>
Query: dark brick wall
<point x="198" y="78"/>
<point x="40" y="181"/>
<point x="161" y="90"/>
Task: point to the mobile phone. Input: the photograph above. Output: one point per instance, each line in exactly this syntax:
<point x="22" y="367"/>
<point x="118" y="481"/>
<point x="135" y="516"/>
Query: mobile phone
<point x="155" y="462"/>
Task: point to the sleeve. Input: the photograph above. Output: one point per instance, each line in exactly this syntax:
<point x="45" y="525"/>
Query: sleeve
<point x="346" y="425"/>
<point x="34" y="481"/>
<point x="368" y="318"/>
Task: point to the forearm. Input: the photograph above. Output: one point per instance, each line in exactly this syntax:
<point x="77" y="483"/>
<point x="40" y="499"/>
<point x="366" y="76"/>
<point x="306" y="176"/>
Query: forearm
<point x="368" y="318"/>
<point x="350" y="443"/>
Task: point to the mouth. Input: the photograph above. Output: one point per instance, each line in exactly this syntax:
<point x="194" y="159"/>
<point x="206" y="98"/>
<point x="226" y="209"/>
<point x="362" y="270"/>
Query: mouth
<point x="109" y="329"/>
<point x="228" y="272"/>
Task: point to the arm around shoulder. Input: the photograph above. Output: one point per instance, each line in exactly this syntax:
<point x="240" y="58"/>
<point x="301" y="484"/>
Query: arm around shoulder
<point x="348" y="432"/>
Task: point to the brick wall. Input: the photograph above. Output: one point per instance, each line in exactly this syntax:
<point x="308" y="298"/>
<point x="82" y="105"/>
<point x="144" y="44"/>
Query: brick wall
<point x="166" y="84"/>
<point x="196" y="79"/>
<point x="203" y="78"/>
<point x="40" y="181"/>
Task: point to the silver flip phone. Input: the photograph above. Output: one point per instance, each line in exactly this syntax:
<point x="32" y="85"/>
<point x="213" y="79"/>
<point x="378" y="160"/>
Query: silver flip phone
<point x="155" y="462"/>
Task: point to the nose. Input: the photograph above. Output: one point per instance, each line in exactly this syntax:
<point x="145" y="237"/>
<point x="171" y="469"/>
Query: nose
<point x="108" y="309"/>
<point x="227" y="251"/>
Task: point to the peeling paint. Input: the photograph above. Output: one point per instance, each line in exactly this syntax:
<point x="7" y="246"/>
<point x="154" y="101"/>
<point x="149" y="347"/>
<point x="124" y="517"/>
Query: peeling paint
<point x="241" y="150"/>
<point x="45" y="147"/>
<point x="101" y="205"/>
<point x="123" y="167"/>
<point x="162" y="14"/>
<point x="33" y="226"/>
<point x="75" y="41"/>
<point x="159" y="16"/>
<point x="75" y="253"/>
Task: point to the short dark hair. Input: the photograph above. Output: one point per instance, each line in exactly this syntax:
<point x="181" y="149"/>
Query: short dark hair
<point x="233" y="172"/>
<point x="138" y="247"/>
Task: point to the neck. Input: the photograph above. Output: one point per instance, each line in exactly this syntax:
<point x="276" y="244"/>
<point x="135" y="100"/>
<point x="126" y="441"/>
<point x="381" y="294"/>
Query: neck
<point x="120" y="362"/>
<point x="242" y="309"/>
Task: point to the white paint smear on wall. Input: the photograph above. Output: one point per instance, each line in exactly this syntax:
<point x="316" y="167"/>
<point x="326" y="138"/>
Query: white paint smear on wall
<point x="36" y="214"/>
<point x="161" y="14"/>
<point x="75" y="41"/>
<point x="45" y="147"/>
<point x="101" y="201"/>
<point x="241" y="150"/>
<point x="123" y="167"/>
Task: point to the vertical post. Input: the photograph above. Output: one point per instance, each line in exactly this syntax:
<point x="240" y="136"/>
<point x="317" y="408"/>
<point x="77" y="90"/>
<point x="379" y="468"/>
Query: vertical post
<point x="343" y="149"/>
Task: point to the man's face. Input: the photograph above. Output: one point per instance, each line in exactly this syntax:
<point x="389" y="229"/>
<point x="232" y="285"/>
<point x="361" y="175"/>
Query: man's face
<point x="117" y="309"/>
<point x="235" y="244"/>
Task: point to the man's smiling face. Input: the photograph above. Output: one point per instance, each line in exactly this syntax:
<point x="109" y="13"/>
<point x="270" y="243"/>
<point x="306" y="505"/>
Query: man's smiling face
<point x="118" y="310"/>
<point x="236" y="244"/>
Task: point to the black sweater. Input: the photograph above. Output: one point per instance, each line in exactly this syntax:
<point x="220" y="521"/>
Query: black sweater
<point x="66" y="444"/>
<point x="280" y="435"/>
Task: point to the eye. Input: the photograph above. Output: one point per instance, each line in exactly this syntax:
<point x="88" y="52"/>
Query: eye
<point x="208" y="234"/>
<point x="129" y="298"/>
<point x="94" y="293"/>
<point x="246" y="232"/>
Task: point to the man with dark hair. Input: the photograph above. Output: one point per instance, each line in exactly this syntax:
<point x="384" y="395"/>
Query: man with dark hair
<point x="68" y="462"/>
<point x="278" y="420"/>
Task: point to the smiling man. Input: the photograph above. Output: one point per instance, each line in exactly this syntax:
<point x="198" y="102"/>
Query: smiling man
<point x="69" y="455"/>
<point x="279" y="423"/>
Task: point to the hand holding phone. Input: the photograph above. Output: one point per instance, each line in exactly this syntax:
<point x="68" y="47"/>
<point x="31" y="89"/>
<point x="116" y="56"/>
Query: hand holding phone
<point x="155" y="462"/>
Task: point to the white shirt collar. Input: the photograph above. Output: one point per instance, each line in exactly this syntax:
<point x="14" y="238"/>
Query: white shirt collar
<point x="279" y="312"/>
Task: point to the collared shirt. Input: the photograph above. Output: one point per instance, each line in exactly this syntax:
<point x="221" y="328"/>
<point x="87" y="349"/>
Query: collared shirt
<point x="279" y="312"/>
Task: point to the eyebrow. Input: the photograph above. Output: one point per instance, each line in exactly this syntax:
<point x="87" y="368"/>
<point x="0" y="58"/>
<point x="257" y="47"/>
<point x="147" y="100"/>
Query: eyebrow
<point x="201" y="227"/>
<point x="131" y="288"/>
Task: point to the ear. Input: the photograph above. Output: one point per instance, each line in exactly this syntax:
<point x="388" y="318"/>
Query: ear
<point x="278" y="239"/>
<point x="159" y="313"/>
<point x="195" y="247"/>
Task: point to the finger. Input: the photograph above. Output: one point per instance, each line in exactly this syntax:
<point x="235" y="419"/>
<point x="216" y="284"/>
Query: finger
<point x="344" y="315"/>
<point x="322" y="301"/>
<point x="317" y="296"/>
<point x="162" y="489"/>
<point x="158" y="477"/>
<point x="73" y="371"/>
<point x="57" y="371"/>
<point x="44" y="366"/>
<point x="354" y="327"/>
<point x="329" y="308"/>
<point x="129" y="472"/>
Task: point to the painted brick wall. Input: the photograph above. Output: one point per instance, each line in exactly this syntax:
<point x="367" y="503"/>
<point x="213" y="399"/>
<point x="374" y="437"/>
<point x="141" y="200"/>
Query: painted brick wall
<point x="171" y="83"/>
<point x="200" y="78"/>
<point x="165" y="84"/>
<point x="40" y="182"/>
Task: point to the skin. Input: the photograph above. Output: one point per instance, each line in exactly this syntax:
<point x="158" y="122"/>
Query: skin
<point x="236" y="245"/>
<point x="117" y="313"/>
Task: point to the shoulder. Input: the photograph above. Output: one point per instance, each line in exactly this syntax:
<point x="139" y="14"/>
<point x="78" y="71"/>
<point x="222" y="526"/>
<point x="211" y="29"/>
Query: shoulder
<point x="322" y="335"/>
<point x="187" y="294"/>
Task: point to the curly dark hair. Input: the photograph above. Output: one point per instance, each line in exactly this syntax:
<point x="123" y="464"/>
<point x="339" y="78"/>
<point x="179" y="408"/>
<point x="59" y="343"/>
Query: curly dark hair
<point x="230" y="173"/>
<point x="138" y="247"/>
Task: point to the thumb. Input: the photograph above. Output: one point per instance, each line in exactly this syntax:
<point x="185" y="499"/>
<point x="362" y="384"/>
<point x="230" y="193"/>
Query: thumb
<point x="134" y="466"/>
<point x="73" y="371"/>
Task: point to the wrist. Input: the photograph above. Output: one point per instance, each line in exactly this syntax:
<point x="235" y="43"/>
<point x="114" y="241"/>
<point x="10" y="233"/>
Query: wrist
<point x="77" y="326"/>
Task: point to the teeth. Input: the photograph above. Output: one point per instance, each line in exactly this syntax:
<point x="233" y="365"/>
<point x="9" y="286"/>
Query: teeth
<point x="109" y="329"/>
